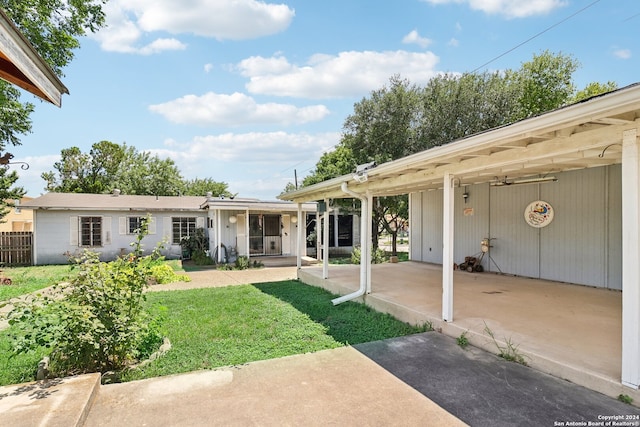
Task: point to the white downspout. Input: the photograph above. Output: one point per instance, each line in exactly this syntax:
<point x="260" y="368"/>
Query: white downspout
<point x="365" y="261"/>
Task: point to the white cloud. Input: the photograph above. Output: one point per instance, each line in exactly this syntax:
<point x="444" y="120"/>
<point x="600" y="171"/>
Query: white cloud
<point x="255" y="164"/>
<point x="622" y="53"/>
<point x="253" y="147"/>
<point x="508" y="8"/>
<point x="328" y="76"/>
<point x="208" y="68"/>
<point x="128" y="21"/>
<point x="453" y="42"/>
<point x="234" y="110"/>
<point x="414" y="38"/>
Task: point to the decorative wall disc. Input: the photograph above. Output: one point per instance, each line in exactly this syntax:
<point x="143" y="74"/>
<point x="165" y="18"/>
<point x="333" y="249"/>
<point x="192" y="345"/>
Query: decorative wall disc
<point x="538" y="214"/>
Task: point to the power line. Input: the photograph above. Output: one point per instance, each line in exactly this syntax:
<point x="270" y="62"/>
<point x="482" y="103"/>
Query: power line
<point x="537" y="35"/>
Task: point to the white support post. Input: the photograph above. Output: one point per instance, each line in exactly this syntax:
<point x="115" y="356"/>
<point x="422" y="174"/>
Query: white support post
<point x="325" y="241"/>
<point x="299" y="230"/>
<point x="447" y="249"/>
<point x="219" y="236"/>
<point x="247" y="236"/>
<point x="318" y="234"/>
<point x="630" y="257"/>
<point x="366" y="255"/>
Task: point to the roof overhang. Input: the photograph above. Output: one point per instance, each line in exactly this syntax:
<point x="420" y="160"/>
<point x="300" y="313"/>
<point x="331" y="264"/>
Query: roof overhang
<point x="21" y="65"/>
<point x="582" y="135"/>
<point x="256" y="205"/>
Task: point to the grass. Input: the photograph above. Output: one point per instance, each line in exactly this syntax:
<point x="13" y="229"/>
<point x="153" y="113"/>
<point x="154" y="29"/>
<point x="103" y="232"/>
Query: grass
<point x="215" y="327"/>
<point x="29" y="279"/>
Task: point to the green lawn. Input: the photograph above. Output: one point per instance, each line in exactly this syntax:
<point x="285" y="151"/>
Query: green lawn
<point x="29" y="279"/>
<point x="216" y="327"/>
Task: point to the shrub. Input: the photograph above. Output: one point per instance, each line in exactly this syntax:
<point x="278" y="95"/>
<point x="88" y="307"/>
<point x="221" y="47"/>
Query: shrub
<point x="196" y="246"/>
<point x="242" y="262"/>
<point x="163" y="273"/>
<point x="97" y="322"/>
<point x="377" y="256"/>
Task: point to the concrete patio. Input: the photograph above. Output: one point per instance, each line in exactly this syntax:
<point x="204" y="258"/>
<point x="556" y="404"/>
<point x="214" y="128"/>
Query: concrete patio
<point x="570" y="331"/>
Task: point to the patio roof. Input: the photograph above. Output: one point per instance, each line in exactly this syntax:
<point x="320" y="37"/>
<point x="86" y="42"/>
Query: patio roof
<point x="254" y="205"/>
<point x="21" y="65"/>
<point x="582" y="135"/>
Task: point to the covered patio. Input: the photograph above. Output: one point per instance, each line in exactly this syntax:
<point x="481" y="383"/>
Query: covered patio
<point x="526" y="312"/>
<point x="588" y="335"/>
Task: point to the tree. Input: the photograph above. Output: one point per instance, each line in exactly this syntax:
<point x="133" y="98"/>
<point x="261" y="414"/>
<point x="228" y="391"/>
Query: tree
<point x="8" y="193"/>
<point x="543" y="84"/>
<point x="53" y="27"/>
<point x="144" y="174"/>
<point x="593" y="89"/>
<point x="202" y="186"/>
<point x="110" y="166"/>
<point x="332" y="164"/>
<point x="79" y="172"/>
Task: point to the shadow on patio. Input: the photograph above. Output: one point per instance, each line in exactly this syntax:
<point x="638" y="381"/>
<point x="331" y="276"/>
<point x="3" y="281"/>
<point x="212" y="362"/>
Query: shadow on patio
<point x="570" y="331"/>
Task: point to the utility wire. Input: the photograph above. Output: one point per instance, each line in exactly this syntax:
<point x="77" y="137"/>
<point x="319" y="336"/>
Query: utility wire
<point x="537" y="35"/>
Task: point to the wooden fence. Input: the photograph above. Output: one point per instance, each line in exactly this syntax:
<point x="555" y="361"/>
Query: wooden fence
<point x="15" y="248"/>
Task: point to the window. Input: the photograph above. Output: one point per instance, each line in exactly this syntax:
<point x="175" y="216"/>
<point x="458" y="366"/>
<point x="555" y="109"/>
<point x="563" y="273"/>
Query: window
<point x="133" y="224"/>
<point x="90" y="231"/>
<point x="345" y="230"/>
<point x="182" y="227"/>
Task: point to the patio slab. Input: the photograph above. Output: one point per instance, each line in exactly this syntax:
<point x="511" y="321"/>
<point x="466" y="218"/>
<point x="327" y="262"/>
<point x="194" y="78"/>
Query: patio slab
<point x="570" y="331"/>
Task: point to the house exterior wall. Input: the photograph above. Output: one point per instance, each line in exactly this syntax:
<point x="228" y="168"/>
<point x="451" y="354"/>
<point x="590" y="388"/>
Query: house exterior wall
<point x="233" y="234"/>
<point x="581" y="245"/>
<point x="56" y="236"/>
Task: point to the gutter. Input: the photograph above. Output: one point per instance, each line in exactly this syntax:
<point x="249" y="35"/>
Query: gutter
<point x="365" y="259"/>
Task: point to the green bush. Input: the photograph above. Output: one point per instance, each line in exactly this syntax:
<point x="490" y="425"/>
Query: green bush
<point x="377" y="256"/>
<point x="95" y="323"/>
<point x="163" y="273"/>
<point x="242" y="263"/>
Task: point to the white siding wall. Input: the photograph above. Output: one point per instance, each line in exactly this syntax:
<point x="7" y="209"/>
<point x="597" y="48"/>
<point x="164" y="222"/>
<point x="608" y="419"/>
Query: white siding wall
<point x="233" y="234"/>
<point x="582" y="245"/>
<point x="55" y="234"/>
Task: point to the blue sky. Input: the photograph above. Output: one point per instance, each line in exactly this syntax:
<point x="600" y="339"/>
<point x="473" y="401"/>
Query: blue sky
<point x="245" y="91"/>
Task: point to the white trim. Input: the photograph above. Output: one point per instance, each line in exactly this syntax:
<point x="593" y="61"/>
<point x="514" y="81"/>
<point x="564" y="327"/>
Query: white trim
<point x="630" y="256"/>
<point x="447" y="248"/>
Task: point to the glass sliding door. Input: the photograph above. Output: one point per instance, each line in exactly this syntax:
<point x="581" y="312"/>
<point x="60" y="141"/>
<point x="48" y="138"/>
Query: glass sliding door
<point x="265" y="235"/>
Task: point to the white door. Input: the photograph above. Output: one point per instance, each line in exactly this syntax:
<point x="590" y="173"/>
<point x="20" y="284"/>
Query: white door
<point x="286" y="234"/>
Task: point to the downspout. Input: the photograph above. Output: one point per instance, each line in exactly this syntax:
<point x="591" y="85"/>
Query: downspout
<point x="364" y="242"/>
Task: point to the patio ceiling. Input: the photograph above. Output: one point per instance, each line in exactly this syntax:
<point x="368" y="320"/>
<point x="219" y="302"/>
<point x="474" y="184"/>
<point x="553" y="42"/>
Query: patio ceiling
<point x="583" y="135"/>
<point x="21" y="65"/>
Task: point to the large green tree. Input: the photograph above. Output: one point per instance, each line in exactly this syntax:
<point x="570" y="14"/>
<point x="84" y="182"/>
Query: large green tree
<point x="54" y="28"/>
<point x="108" y="166"/>
<point x="93" y="172"/>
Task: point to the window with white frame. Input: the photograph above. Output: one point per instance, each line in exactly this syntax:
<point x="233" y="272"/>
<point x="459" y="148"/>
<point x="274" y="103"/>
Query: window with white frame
<point x="91" y="231"/>
<point x="133" y="224"/>
<point x="182" y="227"/>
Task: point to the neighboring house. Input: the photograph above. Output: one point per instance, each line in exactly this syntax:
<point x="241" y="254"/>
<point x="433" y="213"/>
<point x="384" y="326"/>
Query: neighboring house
<point x="66" y="223"/>
<point x="557" y="195"/>
<point x="18" y="219"/>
